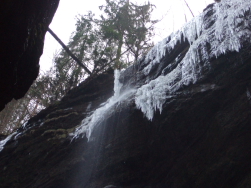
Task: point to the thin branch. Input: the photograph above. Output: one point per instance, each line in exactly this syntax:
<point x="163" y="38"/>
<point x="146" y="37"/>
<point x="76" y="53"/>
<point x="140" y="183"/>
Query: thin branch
<point x="69" y="52"/>
<point x="189" y="7"/>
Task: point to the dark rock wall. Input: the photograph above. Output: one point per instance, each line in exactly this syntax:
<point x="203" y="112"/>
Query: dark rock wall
<point x="22" y="31"/>
<point x="46" y="144"/>
<point x="202" y="138"/>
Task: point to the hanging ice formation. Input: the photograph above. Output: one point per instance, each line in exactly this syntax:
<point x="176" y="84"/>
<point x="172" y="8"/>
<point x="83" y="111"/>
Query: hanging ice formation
<point x="3" y="142"/>
<point x="225" y="34"/>
<point x="228" y="29"/>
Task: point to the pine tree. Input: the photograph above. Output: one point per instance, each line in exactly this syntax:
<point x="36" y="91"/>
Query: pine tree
<point x="117" y="39"/>
<point x="130" y="27"/>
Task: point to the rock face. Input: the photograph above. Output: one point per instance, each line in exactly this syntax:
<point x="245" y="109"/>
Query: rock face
<point x="201" y="138"/>
<point x="22" y="31"/>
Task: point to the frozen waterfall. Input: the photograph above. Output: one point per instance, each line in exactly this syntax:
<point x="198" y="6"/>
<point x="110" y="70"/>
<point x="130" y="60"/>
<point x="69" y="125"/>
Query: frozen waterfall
<point x="97" y="116"/>
<point x="208" y="37"/>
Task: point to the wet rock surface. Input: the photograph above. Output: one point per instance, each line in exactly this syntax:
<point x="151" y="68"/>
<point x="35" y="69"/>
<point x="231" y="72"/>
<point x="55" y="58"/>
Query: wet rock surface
<point x="201" y="139"/>
<point x="22" y="31"/>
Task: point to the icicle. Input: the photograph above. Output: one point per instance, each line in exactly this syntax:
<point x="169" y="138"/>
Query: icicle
<point x="3" y="142"/>
<point x="155" y="54"/>
<point x="117" y="84"/>
<point x="152" y="96"/>
<point x="248" y="95"/>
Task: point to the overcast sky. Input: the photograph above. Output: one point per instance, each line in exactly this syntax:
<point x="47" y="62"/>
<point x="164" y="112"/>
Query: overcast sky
<point x="63" y="23"/>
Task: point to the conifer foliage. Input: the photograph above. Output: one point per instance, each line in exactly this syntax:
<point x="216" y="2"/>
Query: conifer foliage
<point x="117" y="39"/>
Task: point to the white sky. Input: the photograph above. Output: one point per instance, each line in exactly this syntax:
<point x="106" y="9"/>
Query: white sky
<point x="63" y="23"/>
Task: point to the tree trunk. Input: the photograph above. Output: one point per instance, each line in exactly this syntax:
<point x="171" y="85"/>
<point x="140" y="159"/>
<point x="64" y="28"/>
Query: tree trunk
<point x="118" y="55"/>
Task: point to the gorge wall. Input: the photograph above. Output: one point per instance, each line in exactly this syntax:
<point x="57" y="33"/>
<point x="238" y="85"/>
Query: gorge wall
<point x="22" y="31"/>
<point x="180" y="117"/>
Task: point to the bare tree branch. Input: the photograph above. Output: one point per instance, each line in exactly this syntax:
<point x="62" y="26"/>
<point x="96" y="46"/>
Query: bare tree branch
<point x="69" y="52"/>
<point x="189" y="7"/>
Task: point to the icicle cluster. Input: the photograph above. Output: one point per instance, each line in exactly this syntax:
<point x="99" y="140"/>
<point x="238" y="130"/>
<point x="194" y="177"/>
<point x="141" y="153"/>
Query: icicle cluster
<point x="228" y="29"/>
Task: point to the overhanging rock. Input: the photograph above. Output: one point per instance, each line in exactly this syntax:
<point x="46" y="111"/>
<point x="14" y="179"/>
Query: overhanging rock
<point x="22" y="31"/>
